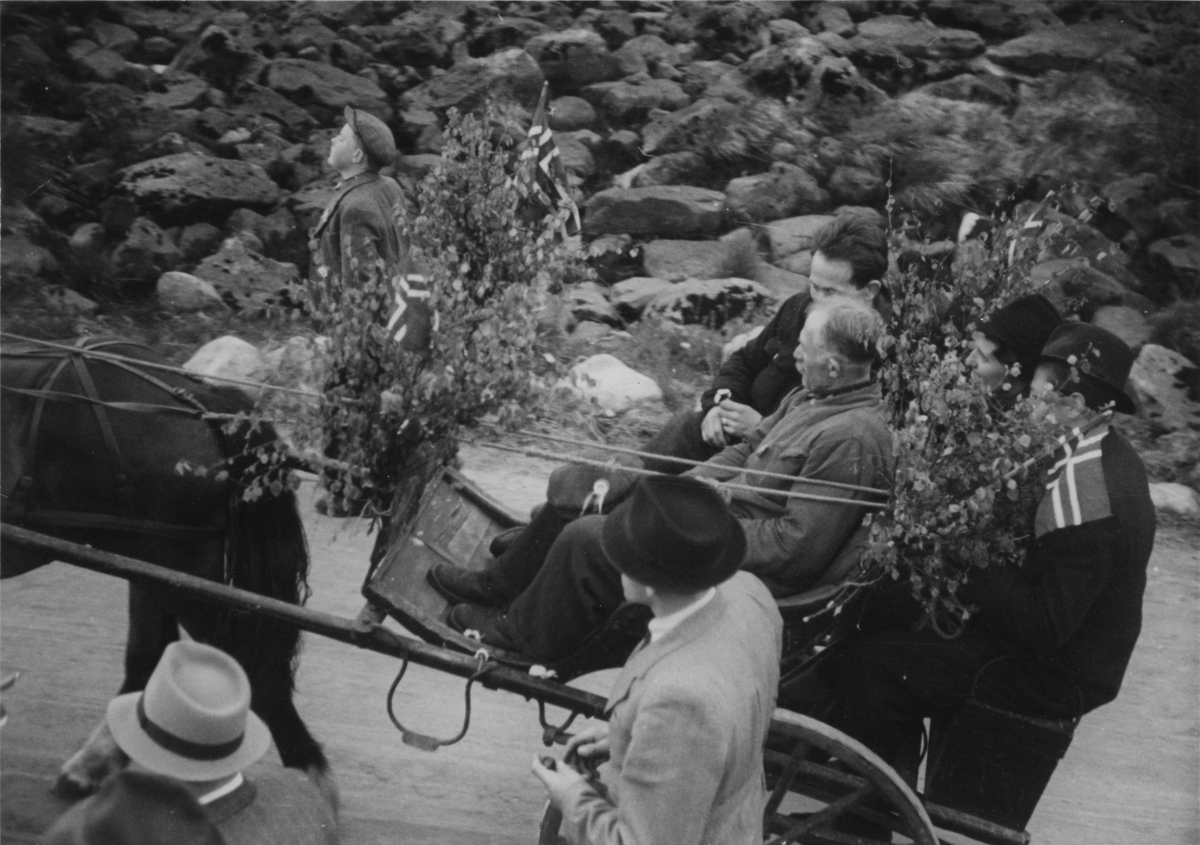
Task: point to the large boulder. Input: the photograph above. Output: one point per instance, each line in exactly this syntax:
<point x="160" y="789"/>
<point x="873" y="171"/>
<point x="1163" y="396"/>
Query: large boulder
<point x="145" y="254"/>
<point x="679" y="168"/>
<point x="510" y="73"/>
<point x="631" y="296"/>
<point x="783" y="191"/>
<point x="1160" y="379"/>
<point x="678" y="260"/>
<point x="631" y="99"/>
<point x="187" y="187"/>
<point x="915" y="39"/>
<point x="21" y="258"/>
<point x="573" y="58"/>
<point x="794" y="234"/>
<point x="709" y="302"/>
<point x="612" y="385"/>
<point x="1066" y="48"/>
<point x="660" y="210"/>
<point x="246" y="279"/>
<point x="999" y="18"/>
<point x="228" y="357"/>
<point x="316" y="84"/>
<point x="586" y="301"/>
<point x="183" y="292"/>
<point x="1177" y="259"/>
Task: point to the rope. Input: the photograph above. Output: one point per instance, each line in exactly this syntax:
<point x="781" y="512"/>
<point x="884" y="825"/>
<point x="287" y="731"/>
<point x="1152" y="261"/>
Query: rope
<point x="788" y="494"/>
<point x="170" y="368"/>
<point x="689" y="462"/>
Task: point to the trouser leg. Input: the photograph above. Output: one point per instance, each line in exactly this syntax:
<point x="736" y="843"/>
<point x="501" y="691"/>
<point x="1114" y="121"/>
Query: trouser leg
<point x="679" y="438"/>
<point x="515" y="570"/>
<point x="886" y="683"/>
<point x="572" y="595"/>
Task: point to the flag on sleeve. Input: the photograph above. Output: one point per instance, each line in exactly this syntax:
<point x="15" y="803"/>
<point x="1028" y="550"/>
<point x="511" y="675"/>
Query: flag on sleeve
<point x="1076" y="491"/>
<point x="414" y="320"/>
<point x="550" y="173"/>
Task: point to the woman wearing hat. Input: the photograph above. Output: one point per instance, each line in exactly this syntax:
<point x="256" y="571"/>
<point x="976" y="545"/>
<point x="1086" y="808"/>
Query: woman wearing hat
<point x="190" y="737"/>
<point x="1011" y="337"/>
<point x="689" y="713"/>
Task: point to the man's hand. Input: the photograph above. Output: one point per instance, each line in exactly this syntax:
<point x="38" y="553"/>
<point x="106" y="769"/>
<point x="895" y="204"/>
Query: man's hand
<point x="557" y="780"/>
<point x="712" y="429"/>
<point x="737" y="419"/>
<point x="588" y="748"/>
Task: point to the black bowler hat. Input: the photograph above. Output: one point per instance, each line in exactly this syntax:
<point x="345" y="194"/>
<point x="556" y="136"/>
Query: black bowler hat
<point x="1101" y="358"/>
<point x="674" y="533"/>
<point x="1024" y="325"/>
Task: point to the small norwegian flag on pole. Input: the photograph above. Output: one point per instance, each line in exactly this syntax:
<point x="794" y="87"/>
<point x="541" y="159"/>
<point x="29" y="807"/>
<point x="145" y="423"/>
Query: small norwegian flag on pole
<point x="550" y="174"/>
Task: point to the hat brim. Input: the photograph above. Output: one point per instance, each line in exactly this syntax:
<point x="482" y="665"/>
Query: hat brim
<point x="134" y="741"/>
<point x="617" y="545"/>
<point x="1124" y="403"/>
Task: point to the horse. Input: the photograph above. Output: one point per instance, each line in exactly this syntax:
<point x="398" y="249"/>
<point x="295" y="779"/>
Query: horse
<point x="95" y="445"/>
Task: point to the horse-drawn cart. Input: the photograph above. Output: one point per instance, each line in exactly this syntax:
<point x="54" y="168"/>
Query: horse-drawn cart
<point x="818" y="777"/>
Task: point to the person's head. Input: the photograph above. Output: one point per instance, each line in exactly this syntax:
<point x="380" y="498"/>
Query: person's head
<point x="673" y="536"/>
<point x="1088" y="363"/>
<point x="1012" y="336"/>
<point x="850" y="258"/>
<point x="193" y="721"/>
<point x="365" y="143"/>
<point x="838" y="344"/>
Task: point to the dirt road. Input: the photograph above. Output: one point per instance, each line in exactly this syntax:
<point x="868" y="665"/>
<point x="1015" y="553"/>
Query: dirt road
<point x="1131" y="777"/>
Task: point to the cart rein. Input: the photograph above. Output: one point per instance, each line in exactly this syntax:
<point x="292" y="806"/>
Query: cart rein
<point x="212" y="416"/>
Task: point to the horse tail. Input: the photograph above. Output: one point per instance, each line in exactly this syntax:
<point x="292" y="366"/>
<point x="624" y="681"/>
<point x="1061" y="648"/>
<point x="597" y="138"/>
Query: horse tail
<point x="266" y="553"/>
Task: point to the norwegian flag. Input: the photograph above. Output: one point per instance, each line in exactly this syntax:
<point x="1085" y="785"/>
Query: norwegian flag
<point x="550" y="173"/>
<point x="1076" y="491"/>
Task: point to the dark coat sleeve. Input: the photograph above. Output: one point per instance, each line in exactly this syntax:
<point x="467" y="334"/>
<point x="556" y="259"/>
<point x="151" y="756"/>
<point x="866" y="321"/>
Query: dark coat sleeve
<point x="1041" y="605"/>
<point x="739" y="373"/>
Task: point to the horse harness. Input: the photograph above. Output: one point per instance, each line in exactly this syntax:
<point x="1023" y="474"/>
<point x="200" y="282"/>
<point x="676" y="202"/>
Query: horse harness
<point x="21" y="502"/>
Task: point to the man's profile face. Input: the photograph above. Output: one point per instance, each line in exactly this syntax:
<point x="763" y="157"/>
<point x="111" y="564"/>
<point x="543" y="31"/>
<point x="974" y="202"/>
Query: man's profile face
<point x="812" y="359"/>
<point x="829" y="278"/>
<point x="342" y="148"/>
<point x="988" y="368"/>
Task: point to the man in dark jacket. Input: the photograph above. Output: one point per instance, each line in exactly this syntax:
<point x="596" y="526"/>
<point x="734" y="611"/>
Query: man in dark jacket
<point x="849" y="258"/>
<point x="554" y="586"/>
<point x="1067" y="620"/>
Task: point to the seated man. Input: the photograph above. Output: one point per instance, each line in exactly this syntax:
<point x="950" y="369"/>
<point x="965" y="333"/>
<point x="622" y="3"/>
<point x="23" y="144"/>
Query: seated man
<point x="1067" y="619"/>
<point x="850" y="258"/>
<point x="557" y="584"/>
<point x="191" y="736"/>
<point x="690" y="711"/>
<point x="1012" y="336"/>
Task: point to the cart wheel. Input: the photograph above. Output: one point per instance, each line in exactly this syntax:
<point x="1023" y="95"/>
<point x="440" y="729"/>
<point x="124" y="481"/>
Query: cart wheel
<point x="856" y="794"/>
<point x="551" y="822"/>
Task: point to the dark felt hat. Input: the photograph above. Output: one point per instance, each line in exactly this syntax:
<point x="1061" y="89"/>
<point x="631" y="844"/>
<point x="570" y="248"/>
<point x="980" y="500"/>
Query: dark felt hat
<point x="1100" y="357"/>
<point x="1024" y="325"/>
<point x="674" y="533"/>
<point x="373" y="136"/>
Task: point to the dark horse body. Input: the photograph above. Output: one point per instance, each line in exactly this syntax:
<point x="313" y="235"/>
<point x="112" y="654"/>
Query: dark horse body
<point x="90" y="449"/>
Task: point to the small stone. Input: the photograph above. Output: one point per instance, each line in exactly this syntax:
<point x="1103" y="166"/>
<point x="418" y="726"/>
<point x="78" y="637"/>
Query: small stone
<point x="183" y="292"/>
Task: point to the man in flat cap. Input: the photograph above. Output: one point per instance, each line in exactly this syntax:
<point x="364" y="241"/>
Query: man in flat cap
<point x="689" y="713"/>
<point x="357" y="245"/>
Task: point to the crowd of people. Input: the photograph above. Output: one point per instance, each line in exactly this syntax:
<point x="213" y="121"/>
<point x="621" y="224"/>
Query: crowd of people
<point x="709" y="549"/>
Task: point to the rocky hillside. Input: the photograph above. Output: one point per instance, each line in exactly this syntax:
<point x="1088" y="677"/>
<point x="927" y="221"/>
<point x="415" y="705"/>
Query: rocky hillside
<point x="176" y="150"/>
